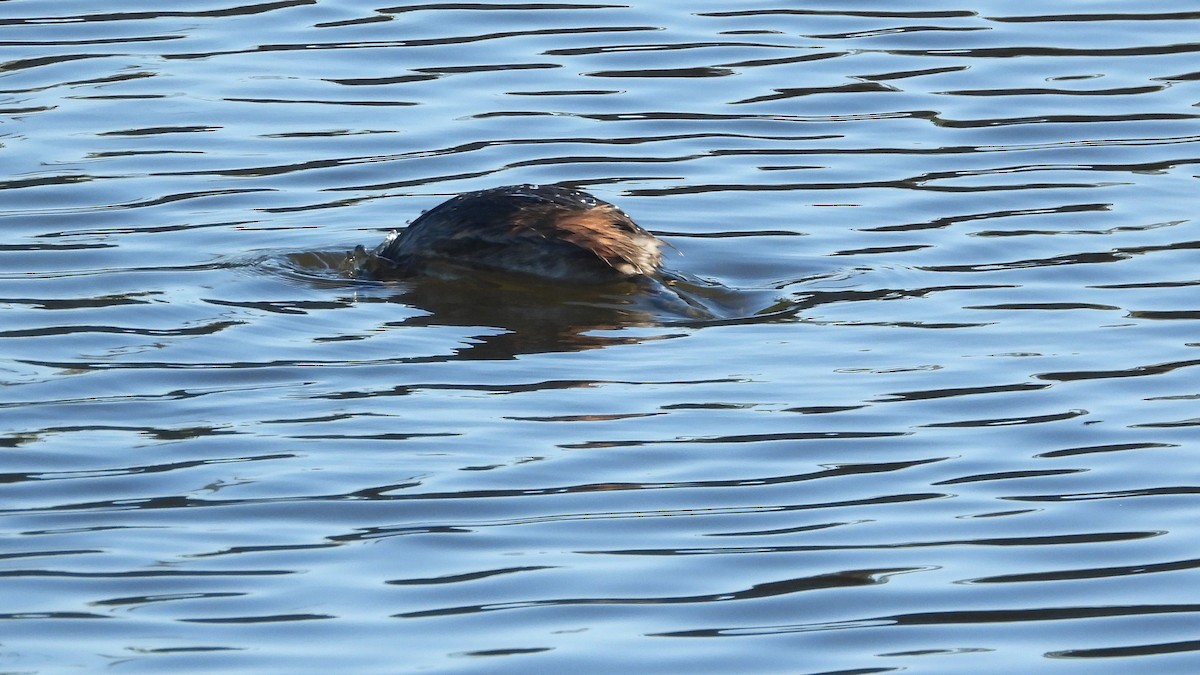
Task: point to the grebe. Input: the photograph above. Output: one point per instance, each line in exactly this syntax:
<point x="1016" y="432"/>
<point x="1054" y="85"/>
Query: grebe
<point x="542" y="230"/>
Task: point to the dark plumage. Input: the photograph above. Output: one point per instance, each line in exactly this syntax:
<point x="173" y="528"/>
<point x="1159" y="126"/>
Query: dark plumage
<point x="542" y="230"/>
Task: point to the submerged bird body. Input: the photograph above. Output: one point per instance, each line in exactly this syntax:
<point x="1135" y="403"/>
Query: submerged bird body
<point x="541" y="230"/>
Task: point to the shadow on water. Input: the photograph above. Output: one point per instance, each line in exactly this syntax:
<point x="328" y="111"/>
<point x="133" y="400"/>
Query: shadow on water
<point x="537" y="316"/>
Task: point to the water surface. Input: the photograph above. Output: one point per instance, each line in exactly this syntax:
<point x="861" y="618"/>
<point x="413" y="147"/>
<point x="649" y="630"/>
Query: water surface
<point x="938" y="415"/>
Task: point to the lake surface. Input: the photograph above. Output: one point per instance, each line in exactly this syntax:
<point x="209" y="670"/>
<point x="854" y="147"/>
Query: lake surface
<point x="939" y="413"/>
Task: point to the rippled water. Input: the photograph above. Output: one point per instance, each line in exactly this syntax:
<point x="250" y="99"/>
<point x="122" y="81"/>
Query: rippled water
<point x="938" y="416"/>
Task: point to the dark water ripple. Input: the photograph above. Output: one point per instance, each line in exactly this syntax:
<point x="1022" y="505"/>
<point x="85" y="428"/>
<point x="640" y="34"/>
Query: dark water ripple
<point x="921" y="398"/>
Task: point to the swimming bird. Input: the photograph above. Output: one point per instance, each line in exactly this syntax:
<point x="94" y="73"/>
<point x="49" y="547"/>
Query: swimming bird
<point x="544" y="231"/>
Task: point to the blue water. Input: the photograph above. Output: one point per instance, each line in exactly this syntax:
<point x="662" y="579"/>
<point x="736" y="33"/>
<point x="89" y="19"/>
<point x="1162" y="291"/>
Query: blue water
<point x="937" y="415"/>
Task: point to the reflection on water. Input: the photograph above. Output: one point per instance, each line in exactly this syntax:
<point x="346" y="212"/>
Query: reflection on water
<point x="533" y="315"/>
<point x="915" y="394"/>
